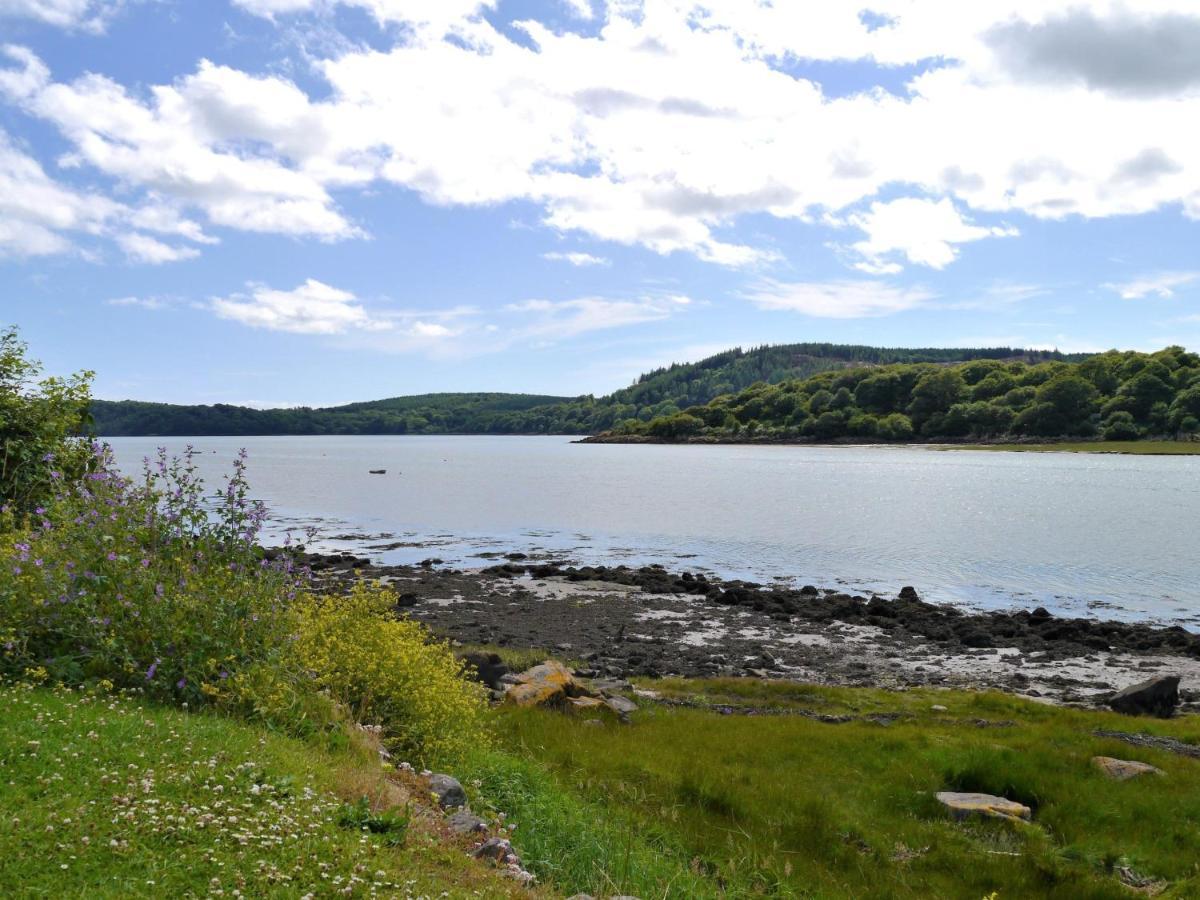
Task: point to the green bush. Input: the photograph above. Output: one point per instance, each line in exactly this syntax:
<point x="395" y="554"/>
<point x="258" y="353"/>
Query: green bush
<point x="39" y="425"/>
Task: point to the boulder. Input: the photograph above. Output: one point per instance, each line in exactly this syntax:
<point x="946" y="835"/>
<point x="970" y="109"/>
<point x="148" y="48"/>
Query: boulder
<point x="465" y="822"/>
<point x="1156" y="697"/>
<point x="965" y="806"/>
<point x="549" y="684"/>
<point x="449" y="793"/>
<point x="1124" y="769"/>
<point x="488" y="668"/>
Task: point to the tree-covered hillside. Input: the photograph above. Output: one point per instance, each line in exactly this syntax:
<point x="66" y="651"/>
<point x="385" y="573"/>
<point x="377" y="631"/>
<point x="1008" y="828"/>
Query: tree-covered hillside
<point x="661" y="393"/>
<point x="1117" y="396"/>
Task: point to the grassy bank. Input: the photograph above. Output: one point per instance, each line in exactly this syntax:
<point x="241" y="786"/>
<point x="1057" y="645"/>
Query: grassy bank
<point x="109" y="797"/>
<point x="1135" y="448"/>
<point x="692" y="803"/>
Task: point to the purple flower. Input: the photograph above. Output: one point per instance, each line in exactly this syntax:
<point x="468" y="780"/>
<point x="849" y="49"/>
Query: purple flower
<point x="145" y="563"/>
<point x="112" y="556"/>
<point x="181" y="683"/>
<point x="153" y="668"/>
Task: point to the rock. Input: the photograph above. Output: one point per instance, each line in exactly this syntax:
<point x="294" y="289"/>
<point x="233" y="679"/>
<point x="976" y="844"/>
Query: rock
<point x="496" y="849"/>
<point x="1156" y="697"/>
<point x="646" y="694"/>
<point x="611" y="685"/>
<point x="585" y="703"/>
<point x="908" y="592"/>
<point x="581" y="897"/>
<point x="1124" y="769"/>
<point x="545" y="685"/>
<point x="488" y="667"/>
<point x="620" y="705"/>
<point x="449" y="793"/>
<point x="964" y="806"/>
<point x="937" y="707"/>
<point x="465" y="822"/>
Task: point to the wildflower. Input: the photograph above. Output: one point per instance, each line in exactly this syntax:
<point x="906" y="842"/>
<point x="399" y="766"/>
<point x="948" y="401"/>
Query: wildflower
<point x="153" y="668"/>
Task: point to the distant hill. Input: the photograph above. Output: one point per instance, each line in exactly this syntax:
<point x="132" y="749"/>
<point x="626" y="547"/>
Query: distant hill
<point x="662" y="392"/>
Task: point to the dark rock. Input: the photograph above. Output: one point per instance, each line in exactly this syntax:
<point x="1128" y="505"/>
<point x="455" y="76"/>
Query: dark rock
<point x="465" y="822"/>
<point x="1156" y="697"/>
<point x="909" y="593"/>
<point x="449" y="793"/>
<point x="496" y="849"/>
<point x="488" y="668"/>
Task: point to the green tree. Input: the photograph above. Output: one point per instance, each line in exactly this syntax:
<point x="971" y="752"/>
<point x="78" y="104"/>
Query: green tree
<point x="40" y="424"/>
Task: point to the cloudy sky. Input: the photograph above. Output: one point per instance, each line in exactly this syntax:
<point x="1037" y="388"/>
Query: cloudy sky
<point x="319" y="201"/>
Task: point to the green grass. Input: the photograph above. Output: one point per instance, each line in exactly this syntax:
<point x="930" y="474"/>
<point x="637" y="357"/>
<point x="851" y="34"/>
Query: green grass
<point x="108" y="797"/>
<point x="690" y="803"/>
<point x="1136" y="448"/>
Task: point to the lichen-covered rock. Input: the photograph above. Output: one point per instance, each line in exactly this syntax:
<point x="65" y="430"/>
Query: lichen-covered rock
<point x="1156" y="697"/>
<point x="447" y="790"/>
<point x="549" y="684"/>
<point x="1124" y="769"/>
<point x="965" y="806"/>
<point x="584" y="703"/>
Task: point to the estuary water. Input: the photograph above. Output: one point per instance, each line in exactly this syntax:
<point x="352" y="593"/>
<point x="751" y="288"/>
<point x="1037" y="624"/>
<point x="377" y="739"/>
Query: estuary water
<point x="1101" y="535"/>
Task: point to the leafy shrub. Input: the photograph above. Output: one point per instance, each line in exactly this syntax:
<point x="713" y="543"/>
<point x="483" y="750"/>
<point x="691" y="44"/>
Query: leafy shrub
<point x="39" y="422"/>
<point x="388" y="672"/>
<point x="145" y="585"/>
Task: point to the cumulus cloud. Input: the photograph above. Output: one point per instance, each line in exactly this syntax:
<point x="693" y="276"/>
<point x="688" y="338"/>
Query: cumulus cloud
<point x="89" y="15"/>
<point x="148" y="303"/>
<point x="577" y="259"/>
<point x="311" y="308"/>
<point x="837" y="299"/>
<point x="925" y="232"/>
<point x="672" y="122"/>
<point x="1138" y="55"/>
<point x="1159" y="284"/>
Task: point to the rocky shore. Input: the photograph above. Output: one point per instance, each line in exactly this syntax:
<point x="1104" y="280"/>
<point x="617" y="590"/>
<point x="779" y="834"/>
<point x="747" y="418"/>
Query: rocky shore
<point x="622" y="622"/>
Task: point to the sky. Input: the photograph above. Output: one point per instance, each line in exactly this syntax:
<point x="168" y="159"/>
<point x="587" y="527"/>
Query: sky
<point x="283" y="202"/>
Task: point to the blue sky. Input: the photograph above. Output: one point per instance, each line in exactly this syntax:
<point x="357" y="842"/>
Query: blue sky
<point x="320" y="201"/>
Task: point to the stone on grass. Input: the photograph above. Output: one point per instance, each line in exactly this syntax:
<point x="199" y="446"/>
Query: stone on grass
<point x="585" y="703"/>
<point x="487" y="668"/>
<point x="1124" y="769"/>
<point x="496" y="849"/>
<point x="449" y="793"/>
<point x="965" y="806"/>
<point x="546" y="685"/>
<point x="622" y="706"/>
<point x="1156" y="697"/>
<point x="465" y="822"/>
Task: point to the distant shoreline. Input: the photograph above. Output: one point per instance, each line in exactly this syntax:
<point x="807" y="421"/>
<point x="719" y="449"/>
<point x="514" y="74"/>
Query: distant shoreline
<point x="1125" y="448"/>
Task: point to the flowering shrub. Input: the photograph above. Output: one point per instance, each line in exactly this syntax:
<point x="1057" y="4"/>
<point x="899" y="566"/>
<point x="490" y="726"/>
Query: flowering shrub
<point x="148" y="585"/>
<point x="156" y="586"/>
<point x="388" y="672"/>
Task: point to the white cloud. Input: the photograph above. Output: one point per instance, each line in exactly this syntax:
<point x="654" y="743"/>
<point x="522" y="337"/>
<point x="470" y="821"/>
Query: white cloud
<point x="837" y="299"/>
<point x="577" y="259"/>
<point x="143" y="248"/>
<point x="1160" y="284"/>
<point x="150" y="303"/>
<point x="557" y="319"/>
<point x="923" y="231"/>
<point x="673" y="120"/>
<point x="89" y="15"/>
<point x="311" y="308"/>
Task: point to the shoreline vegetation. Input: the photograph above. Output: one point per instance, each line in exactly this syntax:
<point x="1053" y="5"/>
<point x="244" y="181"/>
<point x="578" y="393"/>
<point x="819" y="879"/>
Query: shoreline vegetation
<point x="188" y="714"/>
<point x="1145" y="447"/>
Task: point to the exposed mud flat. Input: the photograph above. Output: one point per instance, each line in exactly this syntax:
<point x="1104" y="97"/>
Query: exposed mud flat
<point x="648" y="621"/>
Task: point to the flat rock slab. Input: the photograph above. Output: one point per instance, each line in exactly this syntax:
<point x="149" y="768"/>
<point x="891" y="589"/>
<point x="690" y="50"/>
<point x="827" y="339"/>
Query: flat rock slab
<point x="965" y="806"/>
<point x="1124" y="769"/>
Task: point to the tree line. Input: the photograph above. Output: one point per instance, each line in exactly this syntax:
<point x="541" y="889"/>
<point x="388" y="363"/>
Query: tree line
<point x="1113" y="395"/>
<point x="658" y="394"/>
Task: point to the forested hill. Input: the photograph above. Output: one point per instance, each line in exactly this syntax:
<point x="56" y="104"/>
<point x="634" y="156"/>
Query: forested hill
<point x="1114" y="395"/>
<point x="656" y="394"/>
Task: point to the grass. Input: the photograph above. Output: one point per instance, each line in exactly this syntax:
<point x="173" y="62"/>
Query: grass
<point x="690" y="803"/>
<point x="1135" y="448"/>
<point x="109" y="797"/>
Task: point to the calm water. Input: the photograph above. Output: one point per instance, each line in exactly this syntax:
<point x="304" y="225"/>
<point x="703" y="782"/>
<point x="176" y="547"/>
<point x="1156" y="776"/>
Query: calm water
<point x="1112" y="536"/>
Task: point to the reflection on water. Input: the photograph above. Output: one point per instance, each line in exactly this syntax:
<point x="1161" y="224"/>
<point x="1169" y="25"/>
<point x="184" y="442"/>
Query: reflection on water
<point x="1112" y="536"/>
